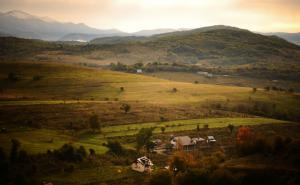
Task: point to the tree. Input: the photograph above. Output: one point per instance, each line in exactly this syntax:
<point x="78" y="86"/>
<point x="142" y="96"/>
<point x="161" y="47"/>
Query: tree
<point x="114" y="147"/>
<point x="94" y="122"/>
<point x="267" y="88"/>
<point x="69" y="153"/>
<point x="254" y="89"/>
<point x="143" y="137"/>
<point x="244" y="134"/>
<point x="92" y="152"/>
<point x="23" y="156"/>
<point x="291" y="90"/>
<point x="161" y="177"/>
<point x="230" y="127"/>
<point x="198" y="128"/>
<point x="13" y="76"/>
<point x="180" y="162"/>
<point x="122" y="89"/>
<point x="2" y="156"/>
<point x="174" y="90"/>
<point x="14" y="150"/>
<point x="125" y="107"/>
<point x="81" y="150"/>
<point x="163" y="128"/>
<point x="205" y="126"/>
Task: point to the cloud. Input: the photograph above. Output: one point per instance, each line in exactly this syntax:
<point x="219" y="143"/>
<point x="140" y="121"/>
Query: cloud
<point x="132" y="15"/>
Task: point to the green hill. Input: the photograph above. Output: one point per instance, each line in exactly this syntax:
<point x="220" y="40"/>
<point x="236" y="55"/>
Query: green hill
<point x="218" y="49"/>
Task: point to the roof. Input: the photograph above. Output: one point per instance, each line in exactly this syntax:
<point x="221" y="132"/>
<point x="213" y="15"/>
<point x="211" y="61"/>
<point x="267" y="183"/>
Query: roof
<point x="145" y="161"/>
<point x="198" y="139"/>
<point x="184" y="140"/>
<point x="210" y="137"/>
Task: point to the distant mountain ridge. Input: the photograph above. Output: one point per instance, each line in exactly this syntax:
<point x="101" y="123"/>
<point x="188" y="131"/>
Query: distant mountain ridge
<point x="21" y="24"/>
<point x="291" y="37"/>
<point x="24" y="25"/>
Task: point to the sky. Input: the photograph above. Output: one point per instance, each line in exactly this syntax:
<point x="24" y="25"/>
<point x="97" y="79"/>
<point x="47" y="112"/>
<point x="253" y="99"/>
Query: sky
<point x="134" y="15"/>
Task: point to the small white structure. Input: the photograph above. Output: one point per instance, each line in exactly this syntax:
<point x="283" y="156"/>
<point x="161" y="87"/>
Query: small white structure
<point x="198" y="140"/>
<point x="139" y="71"/>
<point x="142" y="164"/>
<point x="206" y="74"/>
<point x="211" y="139"/>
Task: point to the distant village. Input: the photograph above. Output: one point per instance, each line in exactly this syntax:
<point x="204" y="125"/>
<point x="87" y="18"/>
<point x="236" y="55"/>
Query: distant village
<point x="176" y="143"/>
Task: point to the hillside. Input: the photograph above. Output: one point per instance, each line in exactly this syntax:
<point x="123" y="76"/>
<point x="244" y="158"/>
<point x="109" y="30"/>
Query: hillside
<point x="218" y="45"/>
<point x="291" y="37"/>
<point x="229" y="50"/>
<point x="222" y="50"/>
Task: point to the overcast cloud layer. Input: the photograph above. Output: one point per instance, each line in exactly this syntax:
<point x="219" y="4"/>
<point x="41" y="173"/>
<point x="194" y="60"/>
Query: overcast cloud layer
<point x="133" y="15"/>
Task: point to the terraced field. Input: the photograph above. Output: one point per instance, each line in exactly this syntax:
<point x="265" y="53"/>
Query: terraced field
<point x="40" y="140"/>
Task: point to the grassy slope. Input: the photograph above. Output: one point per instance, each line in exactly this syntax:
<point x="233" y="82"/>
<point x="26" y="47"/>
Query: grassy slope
<point x="226" y="80"/>
<point x="68" y="82"/>
<point x="39" y="140"/>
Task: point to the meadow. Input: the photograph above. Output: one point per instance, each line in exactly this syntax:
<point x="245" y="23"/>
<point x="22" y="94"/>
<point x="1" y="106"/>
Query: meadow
<point x="49" y="104"/>
<point x="41" y="140"/>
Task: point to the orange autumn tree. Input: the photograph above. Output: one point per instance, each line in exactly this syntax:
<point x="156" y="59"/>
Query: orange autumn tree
<point x="181" y="161"/>
<point x="244" y="134"/>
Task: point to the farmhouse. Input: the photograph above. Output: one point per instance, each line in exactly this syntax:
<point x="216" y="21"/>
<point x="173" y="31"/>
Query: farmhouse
<point x="142" y="164"/>
<point x="183" y="143"/>
<point x="139" y="71"/>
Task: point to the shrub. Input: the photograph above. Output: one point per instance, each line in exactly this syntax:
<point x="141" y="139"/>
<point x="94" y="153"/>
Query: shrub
<point x="163" y="129"/>
<point x="37" y="77"/>
<point x="125" y="107"/>
<point x="14" y="150"/>
<point x="205" y="126"/>
<point x="143" y="137"/>
<point x="221" y="177"/>
<point x="244" y="134"/>
<point x="69" y="168"/>
<point x="13" y="76"/>
<point x="161" y="177"/>
<point x="94" y="122"/>
<point x="194" y="176"/>
<point x="69" y="153"/>
<point x="230" y="127"/>
<point x="114" y="147"/>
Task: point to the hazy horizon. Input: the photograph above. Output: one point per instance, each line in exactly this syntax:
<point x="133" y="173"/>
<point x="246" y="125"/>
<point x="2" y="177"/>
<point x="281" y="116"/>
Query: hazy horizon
<point x="132" y="15"/>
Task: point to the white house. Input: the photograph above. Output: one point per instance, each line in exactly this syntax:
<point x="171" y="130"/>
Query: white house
<point x="142" y="164"/>
<point x="139" y="71"/>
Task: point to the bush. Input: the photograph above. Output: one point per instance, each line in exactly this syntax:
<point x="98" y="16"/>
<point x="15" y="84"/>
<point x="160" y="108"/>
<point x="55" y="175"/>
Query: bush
<point x="194" y="176"/>
<point x="69" y="153"/>
<point x="13" y="76"/>
<point x="125" y="107"/>
<point x="205" y="126"/>
<point x="115" y="148"/>
<point x="37" y="77"/>
<point x="14" y="150"/>
<point x="94" y="122"/>
<point x="161" y="177"/>
<point x="221" y="177"/>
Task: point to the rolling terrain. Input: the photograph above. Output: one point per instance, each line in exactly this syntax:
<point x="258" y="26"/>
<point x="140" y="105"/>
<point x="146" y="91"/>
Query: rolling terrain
<point x="50" y="91"/>
<point x="220" y="49"/>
